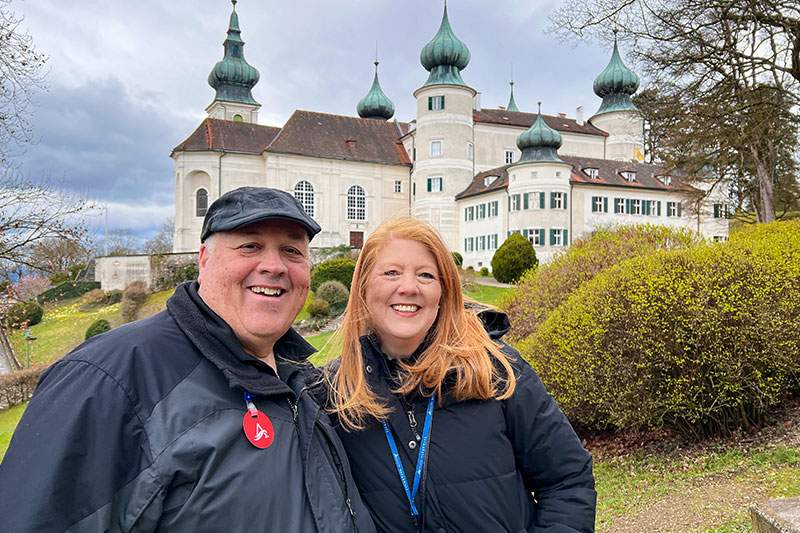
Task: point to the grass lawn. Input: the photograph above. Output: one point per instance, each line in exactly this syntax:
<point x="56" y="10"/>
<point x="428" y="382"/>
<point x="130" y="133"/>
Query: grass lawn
<point x="488" y="294"/>
<point x="8" y="423"/>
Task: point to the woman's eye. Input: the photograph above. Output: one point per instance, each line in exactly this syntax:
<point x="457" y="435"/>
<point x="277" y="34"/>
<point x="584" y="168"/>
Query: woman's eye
<point x="427" y="275"/>
<point x="391" y="273"/>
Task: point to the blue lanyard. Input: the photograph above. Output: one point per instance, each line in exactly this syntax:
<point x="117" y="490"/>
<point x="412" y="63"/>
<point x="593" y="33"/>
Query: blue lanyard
<point x="423" y="449"/>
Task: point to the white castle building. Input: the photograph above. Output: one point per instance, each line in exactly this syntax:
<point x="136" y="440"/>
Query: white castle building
<point x="476" y="174"/>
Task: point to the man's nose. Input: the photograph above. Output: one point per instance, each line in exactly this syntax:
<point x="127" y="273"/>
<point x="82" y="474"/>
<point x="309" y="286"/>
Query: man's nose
<point x="271" y="261"/>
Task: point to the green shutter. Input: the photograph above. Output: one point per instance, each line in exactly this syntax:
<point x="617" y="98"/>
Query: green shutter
<point x="646" y="207"/>
<point x="565" y="239"/>
<point x="658" y="208"/>
<point x="541" y="237"/>
<point x="541" y="200"/>
<point x="628" y="206"/>
<point x="430" y="103"/>
<point x="680" y="208"/>
<point x="605" y="204"/>
<point x="430" y="182"/>
<point x="442" y="102"/>
<point x="564" y="198"/>
<point x="552" y="237"/>
<point x="552" y="200"/>
<point x="594" y="204"/>
<point x="525" y="200"/>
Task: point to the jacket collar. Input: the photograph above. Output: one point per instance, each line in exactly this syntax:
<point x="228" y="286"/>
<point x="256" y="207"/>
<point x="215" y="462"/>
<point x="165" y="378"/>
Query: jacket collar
<point x="214" y="338"/>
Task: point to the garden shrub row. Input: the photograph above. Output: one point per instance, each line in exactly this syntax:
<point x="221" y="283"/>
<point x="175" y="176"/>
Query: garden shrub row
<point x="18" y="386"/>
<point x="68" y="289"/>
<point x="541" y="290"/>
<point x="704" y="339"/>
<point x="340" y="269"/>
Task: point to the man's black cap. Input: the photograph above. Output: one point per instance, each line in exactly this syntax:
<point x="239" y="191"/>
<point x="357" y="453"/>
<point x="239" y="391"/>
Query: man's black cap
<point x="245" y="205"/>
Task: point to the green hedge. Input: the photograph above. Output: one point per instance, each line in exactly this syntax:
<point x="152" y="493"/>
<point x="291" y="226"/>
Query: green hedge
<point x="540" y="291"/>
<point x="514" y="257"/>
<point x="335" y="293"/>
<point x="340" y="269"/>
<point x="703" y="340"/>
<point x="22" y="312"/>
<point x="96" y="328"/>
<point x="18" y="386"/>
<point x="68" y="289"/>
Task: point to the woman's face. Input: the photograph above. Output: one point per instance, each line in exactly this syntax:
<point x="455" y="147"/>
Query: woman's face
<point x="402" y="296"/>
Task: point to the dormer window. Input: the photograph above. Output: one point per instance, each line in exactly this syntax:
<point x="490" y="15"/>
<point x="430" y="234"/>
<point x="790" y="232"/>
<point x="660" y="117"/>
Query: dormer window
<point x="628" y="175"/>
<point x="666" y="179"/>
<point x="488" y="180"/>
<point x="593" y="173"/>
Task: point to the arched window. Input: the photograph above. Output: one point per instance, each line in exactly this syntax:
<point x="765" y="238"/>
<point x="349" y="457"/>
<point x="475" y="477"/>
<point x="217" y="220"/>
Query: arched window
<point x="356" y="203"/>
<point x="200" y="202"/>
<point x="238" y="118"/>
<point x="304" y="192"/>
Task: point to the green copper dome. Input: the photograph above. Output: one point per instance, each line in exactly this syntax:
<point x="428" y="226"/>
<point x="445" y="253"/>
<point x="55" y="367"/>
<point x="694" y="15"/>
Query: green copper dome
<point x="375" y="104"/>
<point x="540" y="142"/>
<point x="233" y="78"/>
<point x="616" y="84"/>
<point x="445" y="56"/>
<point x="512" y="105"/>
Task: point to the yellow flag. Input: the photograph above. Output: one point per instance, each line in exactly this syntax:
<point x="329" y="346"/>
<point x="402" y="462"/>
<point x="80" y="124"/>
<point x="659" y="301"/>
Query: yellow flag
<point x="638" y="154"/>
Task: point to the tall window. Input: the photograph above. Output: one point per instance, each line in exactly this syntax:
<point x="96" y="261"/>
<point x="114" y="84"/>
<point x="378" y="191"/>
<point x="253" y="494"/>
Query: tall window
<point x="558" y="200"/>
<point x="509" y="157"/>
<point x="304" y="192"/>
<point x="599" y="204"/>
<point x="493" y="206"/>
<point x="398" y="186"/>
<point x="200" y="203"/>
<point x="720" y="211"/>
<point x="481" y="211"/>
<point x="436" y="148"/>
<point x="356" y="203"/>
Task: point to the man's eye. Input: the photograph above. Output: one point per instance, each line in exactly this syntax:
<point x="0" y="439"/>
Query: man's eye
<point x="292" y="251"/>
<point x="249" y="246"/>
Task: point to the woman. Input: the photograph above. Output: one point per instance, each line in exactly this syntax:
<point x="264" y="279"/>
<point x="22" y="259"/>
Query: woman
<point x="447" y="429"/>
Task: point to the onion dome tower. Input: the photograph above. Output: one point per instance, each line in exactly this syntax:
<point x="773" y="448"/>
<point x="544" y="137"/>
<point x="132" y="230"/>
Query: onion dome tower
<point x="375" y="104"/>
<point x="233" y="79"/>
<point x="616" y="84"/>
<point x="540" y="142"/>
<point x="512" y="105"/>
<point x="445" y="56"/>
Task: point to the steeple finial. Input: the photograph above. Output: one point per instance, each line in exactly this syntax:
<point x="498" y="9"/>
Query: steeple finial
<point x="375" y="104"/>
<point x="616" y="83"/>
<point x="233" y="78"/>
<point x="512" y="104"/>
<point x="445" y="56"/>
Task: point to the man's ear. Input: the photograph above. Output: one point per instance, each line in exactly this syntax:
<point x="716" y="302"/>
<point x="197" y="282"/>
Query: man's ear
<point x="202" y="259"/>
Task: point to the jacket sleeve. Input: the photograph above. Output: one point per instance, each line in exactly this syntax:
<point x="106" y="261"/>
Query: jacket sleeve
<point x="554" y="464"/>
<point x="79" y="442"/>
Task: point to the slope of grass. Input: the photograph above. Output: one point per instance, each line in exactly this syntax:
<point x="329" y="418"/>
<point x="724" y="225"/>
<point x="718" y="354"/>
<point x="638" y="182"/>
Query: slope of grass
<point x="8" y="423"/>
<point x="487" y="294"/>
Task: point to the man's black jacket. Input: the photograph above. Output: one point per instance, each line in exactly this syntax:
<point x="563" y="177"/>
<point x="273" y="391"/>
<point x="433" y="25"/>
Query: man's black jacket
<point x="514" y="465"/>
<point x="140" y="429"/>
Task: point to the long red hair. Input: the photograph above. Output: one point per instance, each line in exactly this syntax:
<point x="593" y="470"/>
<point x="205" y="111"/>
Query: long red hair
<point x="459" y="344"/>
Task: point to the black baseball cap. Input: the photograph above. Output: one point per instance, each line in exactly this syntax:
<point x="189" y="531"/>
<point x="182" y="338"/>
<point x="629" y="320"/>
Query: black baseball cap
<point x="246" y="205"/>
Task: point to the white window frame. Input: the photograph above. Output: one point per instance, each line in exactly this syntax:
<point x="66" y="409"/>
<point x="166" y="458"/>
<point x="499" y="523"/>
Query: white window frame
<point x="433" y="182"/>
<point x="494" y="208"/>
<point x="304" y="193"/>
<point x="508" y="157"/>
<point x="672" y="209"/>
<point x="398" y="186"/>
<point x="535" y="237"/>
<point x="558" y="200"/>
<point x="516" y="202"/>
<point x="436" y="152"/>
<point x="356" y="203"/>
<point x="628" y="175"/>
<point x="593" y="173"/>
<point x="597" y="204"/>
<point x="558" y="237"/>
<point x="481" y="211"/>
<point x="196" y="206"/>
<point x="636" y="206"/>
<point x="437" y="103"/>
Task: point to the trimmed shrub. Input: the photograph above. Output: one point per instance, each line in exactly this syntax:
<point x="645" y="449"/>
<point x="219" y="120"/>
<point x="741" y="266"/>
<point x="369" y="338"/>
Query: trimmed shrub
<point x="335" y="293"/>
<point x="484" y="272"/>
<point x="540" y="291"/>
<point x="113" y="296"/>
<point x="96" y="328"/>
<point x="459" y="259"/>
<point x="18" y="386"/>
<point x="704" y="340"/>
<point x="339" y="269"/>
<point x="19" y="313"/>
<point x="170" y="275"/>
<point x="318" y="308"/>
<point x="99" y="298"/>
<point x="513" y="258"/>
<point x="133" y="298"/>
<point x="69" y="289"/>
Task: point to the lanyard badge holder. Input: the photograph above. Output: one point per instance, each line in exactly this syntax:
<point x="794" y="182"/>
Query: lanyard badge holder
<point x="411" y="493"/>
<point x="256" y="425"/>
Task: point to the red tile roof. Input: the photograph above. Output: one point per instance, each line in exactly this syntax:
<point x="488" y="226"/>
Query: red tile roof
<point x="608" y="175"/>
<point x="525" y="120"/>
<point x="339" y="137"/>
<point x="227" y="136"/>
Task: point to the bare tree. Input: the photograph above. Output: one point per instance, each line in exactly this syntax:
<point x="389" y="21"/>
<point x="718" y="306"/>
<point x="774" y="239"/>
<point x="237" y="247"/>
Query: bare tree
<point x="60" y="256"/>
<point x="20" y="75"/>
<point x="731" y="49"/>
<point x="161" y="242"/>
<point x="121" y="242"/>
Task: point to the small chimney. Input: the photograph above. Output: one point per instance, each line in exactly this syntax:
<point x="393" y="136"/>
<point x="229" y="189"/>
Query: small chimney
<point x="579" y="115"/>
<point x="476" y="102"/>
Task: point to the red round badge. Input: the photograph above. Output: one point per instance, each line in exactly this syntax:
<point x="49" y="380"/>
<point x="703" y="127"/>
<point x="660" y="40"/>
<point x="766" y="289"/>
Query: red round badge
<point x="258" y="429"/>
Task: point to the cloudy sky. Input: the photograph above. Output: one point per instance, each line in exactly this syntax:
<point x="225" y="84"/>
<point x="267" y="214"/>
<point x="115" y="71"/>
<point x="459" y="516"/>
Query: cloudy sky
<point x="126" y="81"/>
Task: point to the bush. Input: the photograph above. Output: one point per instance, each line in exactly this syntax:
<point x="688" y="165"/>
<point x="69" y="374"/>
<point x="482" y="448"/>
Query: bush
<point x="133" y="298"/>
<point x="113" y="296"/>
<point x="318" y="308"/>
<point x="96" y="328"/>
<point x="704" y="340"/>
<point x="69" y="289"/>
<point x="513" y="258"/>
<point x="459" y="259"/>
<point x="484" y="272"/>
<point x="339" y="269"/>
<point x="99" y="298"/>
<point x="540" y="291"/>
<point x="335" y="293"/>
<point x="170" y="275"/>
<point x="18" y="386"/>
<point x="19" y="313"/>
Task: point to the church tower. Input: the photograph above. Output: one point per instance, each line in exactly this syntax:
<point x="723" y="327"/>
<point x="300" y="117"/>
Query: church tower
<point x="233" y="78"/>
<point x="443" y="166"/>
<point x="617" y="114"/>
<point x="375" y="104"/>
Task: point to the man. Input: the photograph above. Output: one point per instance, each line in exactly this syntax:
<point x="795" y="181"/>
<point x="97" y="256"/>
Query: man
<point x="200" y="418"/>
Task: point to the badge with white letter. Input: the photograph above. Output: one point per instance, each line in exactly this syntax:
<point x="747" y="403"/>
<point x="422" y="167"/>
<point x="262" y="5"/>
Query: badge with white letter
<point x="257" y="426"/>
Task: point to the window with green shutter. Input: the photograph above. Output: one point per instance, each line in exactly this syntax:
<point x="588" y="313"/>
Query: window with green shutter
<point x="541" y="236"/>
<point x="525" y="200"/>
<point x="605" y="204"/>
<point x="646" y="207"/>
<point x="552" y="237"/>
<point x="552" y="200"/>
<point x="565" y="239"/>
<point x="564" y="199"/>
<point x="541" y="202"/>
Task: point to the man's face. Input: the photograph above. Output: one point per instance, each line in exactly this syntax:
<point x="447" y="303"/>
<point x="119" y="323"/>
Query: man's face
<point x="256" y="278"/>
